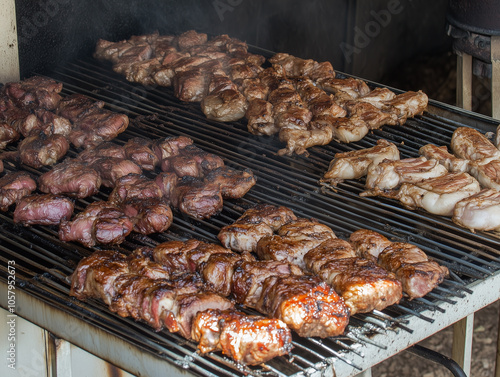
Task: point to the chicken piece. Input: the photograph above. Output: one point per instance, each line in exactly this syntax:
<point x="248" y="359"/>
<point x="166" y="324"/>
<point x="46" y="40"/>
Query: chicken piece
<point x="72" y="178"/>
<point x="331" y="249"/>
<point x="233" y="183"/>
<point x="167" y="181"/>
<point x="111" y="169"/>
<point x="436" y="195"/>
<point x="139" y="150"/>
<point x="46" y="209"/>
<point x="274" y="216"/>
<point x="193" y="162"/>
<point x="106" y="149"/>
<point x="173" y="255"/>
<point x="353" y="88"/>
<point x="325" y="105"/>
<point x="40" y="150"/>
<point x="445" y="158"/>
<point x="100" y="223"/>
<point x="261" y="118"/>
<point x="22" y="121"/>
<point x="217" y="271"/>
<point x="368" y="243"/>
<point x="470" y="144"/>
<point x="298" y="140"/>
<point x="196" y="198"/>
<point x="134" y="187"/>
<point x="345" y="130"/>
<point x="293" y="241"/>
<point x="170" y="146"/>
<point x="407" y="105"/>
<point x="354" y="164"/>
<point x="295" y="66"/>
<point x="307" y="305"/>
<point x="225" y="106"/>
<point x="241" y="236"/>
<point x="377" y="97"/>
<point x="140" y="263"/>
<point x="139" y="71"/>
<point x="13" y="187"/>
<point x="220" y="82"/>
<point x="488" y="174"/>
<point x="392" y="173"/>
<point x="293" y="116"/>
<point x="479" y="211"/>
<point x="97" y="126"/>
<point x="247" y="339"/>
<point x="189" y="39"/>
<point x="148" y="215"/>
<point x="370" y="114"/>
<point x="239" y="72"/>
<point x="254" y="89"/>
<point x="76" y="105"/>
<point x="418" y="275"/>
<point x="53" y="124"/>
<point x="8" y="135"/>
<point x="34" y="92"/>
<point x="190" y="85"/>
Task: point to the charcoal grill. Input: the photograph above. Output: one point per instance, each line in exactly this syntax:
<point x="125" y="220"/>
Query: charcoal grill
<point x="43" y="263"/>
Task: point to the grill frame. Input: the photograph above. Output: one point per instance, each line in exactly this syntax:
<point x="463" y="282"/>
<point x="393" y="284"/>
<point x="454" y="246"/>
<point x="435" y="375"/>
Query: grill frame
<point x="370" y="338"/>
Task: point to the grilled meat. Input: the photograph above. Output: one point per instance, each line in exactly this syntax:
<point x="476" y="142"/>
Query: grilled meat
<point x="294" y="66"/>
<point x="167" y="181"/>
<point x="488" y="174"/>
<point x="391" y="174"/>
<point x="445" y="158"/>
<point x="111" y="169"/>
<point x="274" y="216"/>
<point x="13" y="187"/>
<point x="250" y="340"/>
<point x="8" y="135"/>
<point x="100" y="223"/>
<point x="436" y="195"/>
<point x="350" y="88"/>
<point x="71" y="177"/>
<point x="53" y="124"/>
<point x="370" y="114"/>
<point x="196" y="198"/>
<point x="105" y="149"/>
<point x="470" y="144"/>
<point x="148" y="215"/>
<point x="170" y="146"/>
<point x="407" y="105"/>
<point x="192" y="161"/>
<point x="34" y="92"/>
<point x="479" y="211"/>
<point x="46" y="209"/>
<point x="261" y="118"/>
<point x="368" y="243"/>
<point x="225" y="106"/>
<point x="139" y="150"/>
<point x="23" y="121"/>
<point x="243" y="236"/>
<point x="134" y="187"/>
<point x="41" y="150"/>
<point x="233" y="183"/>
<point x="190" y="38"/>
<point x="355" y="164"/>
<point x="77" y="105"/>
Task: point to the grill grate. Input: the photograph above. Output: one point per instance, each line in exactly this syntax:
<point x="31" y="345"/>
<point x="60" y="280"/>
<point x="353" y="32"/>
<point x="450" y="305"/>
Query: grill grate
<point x="44" y="262"/>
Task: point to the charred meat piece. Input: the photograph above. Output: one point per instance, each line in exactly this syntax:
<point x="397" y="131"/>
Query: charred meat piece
<point x="260" y="117"/>
<point x="193" y="162"/>
<point x="111" y="169"/>
<point x="225" y="106"/>
<point x="139" y="151"/>
<point x="8" y="135"/>
<point x="134" y="187"/>
<point x="46" y="209"/>
<point x="349" y="88"/>
<point x="247" y="339"/>
<point x="22" y="121"/>
<point x="71" y="177"/>
<point x="148" y="215"/>
<point x="167" y="181"/>
<point x="100" y="223"/>
<point x="173" y="254"/>
<point x="41" y="150"/>
<point x="97" y="126"/>
<point x="274" y="216"/>
<point x="233" y="183"/>
<point x="191" y="85"/>
<point x="368" y="243"/>
<point x="355" y="164"/>
<point x="106" y="149"/>
<point x="190" y="38"/>
<point x="196" y="198"/>
<point x="370" y="114"/>
<point x="295" y="66"/>
<point x="170" y="146"/>
<point x="13" y="187"/>
<point x="76" y="105"/>
<point x="306" y="304"/>
<point x="242" y="236"/>
<point x="53" y="124"/>
<point x="407" y="105"/>
<point x="298" y="140"/>
<point x="34" y="92"/>
<point x="253" y="89"/>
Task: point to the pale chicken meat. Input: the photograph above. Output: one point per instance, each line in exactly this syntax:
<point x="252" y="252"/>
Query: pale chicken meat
<point x="445" y="158"/>
<point x="436" y="195"/>
<point x="354" y="164"/>
<point x="407" y="105"/>
<point x="348" y="130"/>
<point x="389" y="175"/>
<point x="480" y="211"/>
<point x="470" y="144"/>
<point x="299" y="140"/>
<point x="488" y="174"/>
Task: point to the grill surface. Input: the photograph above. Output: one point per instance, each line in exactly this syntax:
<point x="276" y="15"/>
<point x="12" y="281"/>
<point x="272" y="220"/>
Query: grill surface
<point x="43" y="262"/>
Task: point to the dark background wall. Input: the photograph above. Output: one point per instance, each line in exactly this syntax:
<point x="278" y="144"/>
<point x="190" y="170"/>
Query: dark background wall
<point x="365" y="38"/>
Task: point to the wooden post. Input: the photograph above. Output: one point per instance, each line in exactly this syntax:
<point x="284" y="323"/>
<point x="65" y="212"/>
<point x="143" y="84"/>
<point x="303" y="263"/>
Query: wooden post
<point x="9" y="53"/>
